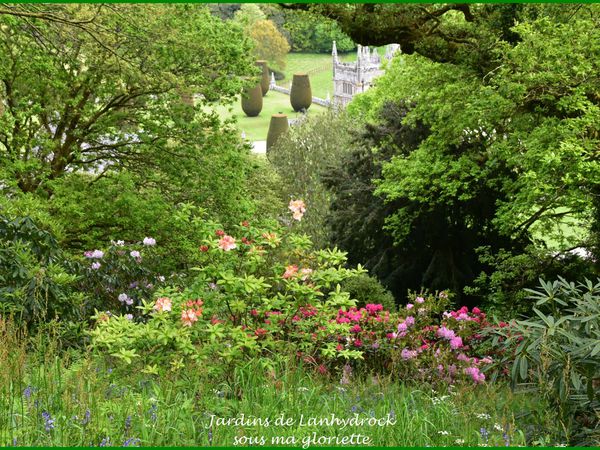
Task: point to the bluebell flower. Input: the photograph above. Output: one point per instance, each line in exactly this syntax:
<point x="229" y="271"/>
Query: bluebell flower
<point x="27" y="392"/>
<point x="131" y="442"/>
<point x="127" y="423"/>
<point x="86" y="417"/>
<point x="484" y="434"/>
<point x="105" y="442"/>
<point x="48" y="421"/>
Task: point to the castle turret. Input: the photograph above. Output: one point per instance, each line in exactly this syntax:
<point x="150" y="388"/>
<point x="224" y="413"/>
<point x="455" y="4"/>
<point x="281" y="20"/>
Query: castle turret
<point x="334" y="53"/>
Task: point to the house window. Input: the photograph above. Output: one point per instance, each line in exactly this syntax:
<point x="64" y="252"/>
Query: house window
<point x="347" y="88"/>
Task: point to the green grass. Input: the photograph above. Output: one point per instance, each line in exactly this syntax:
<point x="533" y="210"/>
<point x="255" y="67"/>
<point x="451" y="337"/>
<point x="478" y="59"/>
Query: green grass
<point x="256" y="128"/>
<point x="90" y="404"/>
<point x="320" y="69"/>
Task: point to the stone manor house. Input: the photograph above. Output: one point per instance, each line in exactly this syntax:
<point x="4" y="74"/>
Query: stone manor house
<point x="355" y="77"/>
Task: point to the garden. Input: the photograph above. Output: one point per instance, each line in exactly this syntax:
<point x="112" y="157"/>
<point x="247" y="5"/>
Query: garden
<point x="420" y="268"/>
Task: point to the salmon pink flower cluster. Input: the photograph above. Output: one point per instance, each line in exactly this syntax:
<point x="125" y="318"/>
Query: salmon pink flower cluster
<point x="227" y="243"/>
<point x="189" y="317"/>
<point x="298" y="209"/>
<point x="195" y="305"/>
<point x="290" y="271"/>
<point x="163" y="304"/>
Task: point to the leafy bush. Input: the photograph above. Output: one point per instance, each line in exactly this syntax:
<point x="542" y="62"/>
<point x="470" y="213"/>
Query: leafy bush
<point x="303" y="157"/>
<point x="264" y="293"/>
<point x="36" y="282"/>
<point x="558" y="353"/>
<point x="367" y="289"/>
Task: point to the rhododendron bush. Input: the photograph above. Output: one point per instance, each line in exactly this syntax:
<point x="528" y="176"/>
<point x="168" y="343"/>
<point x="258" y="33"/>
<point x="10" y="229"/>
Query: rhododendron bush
<point x="265" y="293"/>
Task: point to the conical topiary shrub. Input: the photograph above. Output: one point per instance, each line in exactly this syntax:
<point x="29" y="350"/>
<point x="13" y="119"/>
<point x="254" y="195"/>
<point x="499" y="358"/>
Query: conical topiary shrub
<point x="277" y="127"/>
<point x="300" y="94"/>
<point x="252" y="101"/>
<point x="265" y="80"/>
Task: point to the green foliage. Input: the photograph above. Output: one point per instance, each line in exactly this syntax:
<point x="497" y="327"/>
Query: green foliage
<point x="366" y="289"/>
<point x="37" y="283"/>
<point x="311" y="33"/>
<point x="240" y="281"/>
<point x="304" y="156"/>
<point x="112" y="98"/>
<point x="505" y="160"/>
<point x="557" y="351"/>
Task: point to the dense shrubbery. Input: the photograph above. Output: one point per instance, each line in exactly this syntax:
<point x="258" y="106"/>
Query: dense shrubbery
<point x="304" y="157"/>
<point x="263" y="293"/>
<point x="557" y="351"/>
<point x="36" y="284"/>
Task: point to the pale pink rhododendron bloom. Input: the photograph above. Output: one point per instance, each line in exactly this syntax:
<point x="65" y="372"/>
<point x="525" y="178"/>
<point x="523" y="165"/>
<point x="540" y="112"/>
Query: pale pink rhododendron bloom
<point x="420" y="300"/>
<point x="227" y="243"/>
<point x="188" y="317"/>
<point x="96" y="265"/>
<point x="446" y="333"/>
<point x="298" y="209"/>
<point x="305" y="273"/>
<point x="135" y="254"/>
<point x="410" y="306"/>
<point x="163" y="304"/>
<point x="149" y="241"/>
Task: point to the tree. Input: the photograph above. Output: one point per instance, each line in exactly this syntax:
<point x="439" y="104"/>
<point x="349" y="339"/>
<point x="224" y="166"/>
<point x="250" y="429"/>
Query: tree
<point x="111" y="98"/>
<point x="249" y="14"/>
<point x="503" y="165"/>
<point x="269" y="42"/>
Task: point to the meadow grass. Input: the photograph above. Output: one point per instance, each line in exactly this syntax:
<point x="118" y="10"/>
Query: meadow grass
<point x="75" y="399"/>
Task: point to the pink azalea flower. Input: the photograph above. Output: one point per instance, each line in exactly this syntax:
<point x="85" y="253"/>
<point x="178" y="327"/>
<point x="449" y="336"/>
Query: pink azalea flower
<point x="410" y="306"/>
<point x="373" y="308"/>
<point x="402" y="327"/>
<point x="409" y="321"/>
<point x="355" y="329"/>
<point x="134" y="254"/>
<point x="305" y="273"/>
<point x="419" y="300"/>
<point x="188" y="317"/>
<point x="227" y="243"/>
<point x="298" y="209"/>
<point x="290" y="271"/>
<point x="149" y="241"/>
<point x="96" y="265"/>
<point x="163" y="304"/>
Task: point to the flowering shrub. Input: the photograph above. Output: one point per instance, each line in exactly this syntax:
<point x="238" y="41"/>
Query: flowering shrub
<point x="265" y="293"/>
<point x="121" y="276"/>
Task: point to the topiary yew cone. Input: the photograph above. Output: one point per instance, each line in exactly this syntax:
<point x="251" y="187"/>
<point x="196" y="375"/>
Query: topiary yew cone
<point x="277" y="127"/>
<point x="301" y="93"/>
<point x="264" y="81"/>
<point x="252" y="101"/>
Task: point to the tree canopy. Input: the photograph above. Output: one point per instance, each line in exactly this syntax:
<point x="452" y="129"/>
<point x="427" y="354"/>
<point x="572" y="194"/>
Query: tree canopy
<point x="117" y="95"/>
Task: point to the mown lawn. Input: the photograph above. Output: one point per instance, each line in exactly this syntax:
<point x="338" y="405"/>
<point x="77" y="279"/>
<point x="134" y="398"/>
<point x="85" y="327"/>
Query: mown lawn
<point x="256" y="128"/>
<point x="319" y="66"/>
